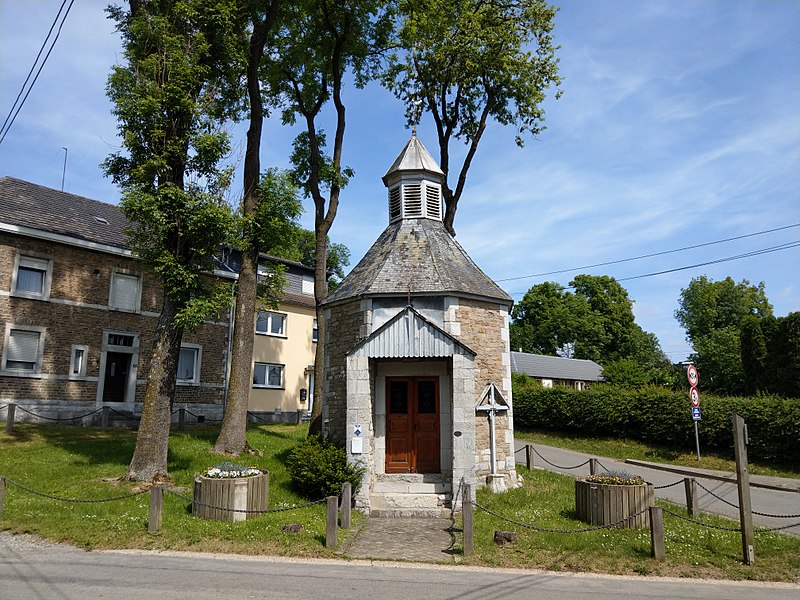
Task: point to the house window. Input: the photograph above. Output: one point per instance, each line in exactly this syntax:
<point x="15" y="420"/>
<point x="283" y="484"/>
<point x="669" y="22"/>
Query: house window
<point x="77" y="363"/>
<point x="22" y="351"/>
<point x="267" y="376"/>
<point x="189" y="364"/>
<point x="125" y="292"/>
<point x="315" y="332"/>
<point x="31" y="277"/>
<point x="270" y="323"/>
<point x="307" y="285"/>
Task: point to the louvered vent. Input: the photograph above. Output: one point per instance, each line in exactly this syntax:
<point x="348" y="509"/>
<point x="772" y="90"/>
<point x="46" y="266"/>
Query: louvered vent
<point x="394" y="203"/>
<point x="433" y="201"/>
<point x="413" y="201"/>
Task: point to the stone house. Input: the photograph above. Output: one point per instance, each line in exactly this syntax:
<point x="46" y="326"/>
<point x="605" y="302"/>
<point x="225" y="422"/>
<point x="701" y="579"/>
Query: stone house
<point x="417" y="347"/>
<point x="79" y="312"/>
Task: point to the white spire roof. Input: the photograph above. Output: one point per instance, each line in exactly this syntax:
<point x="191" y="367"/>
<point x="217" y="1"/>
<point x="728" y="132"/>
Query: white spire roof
<point x="414" y="157"/>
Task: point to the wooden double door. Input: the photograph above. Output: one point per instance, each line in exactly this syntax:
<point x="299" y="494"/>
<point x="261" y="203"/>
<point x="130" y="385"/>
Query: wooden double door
<point x="412" y="425"/>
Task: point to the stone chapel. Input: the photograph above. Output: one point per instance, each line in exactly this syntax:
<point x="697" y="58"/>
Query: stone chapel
<point x="418" y="372"/>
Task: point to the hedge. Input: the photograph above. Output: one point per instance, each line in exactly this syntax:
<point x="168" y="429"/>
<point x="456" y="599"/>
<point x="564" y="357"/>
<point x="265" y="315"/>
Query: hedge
<point x="658" y="415"/>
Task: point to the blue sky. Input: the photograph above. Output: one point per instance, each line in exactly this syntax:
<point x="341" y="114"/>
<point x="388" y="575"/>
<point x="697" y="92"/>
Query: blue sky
<point x="679" y="125"/>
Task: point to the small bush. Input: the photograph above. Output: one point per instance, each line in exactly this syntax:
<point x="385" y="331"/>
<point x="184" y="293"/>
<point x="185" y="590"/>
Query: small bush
<point x="318" y="469"/>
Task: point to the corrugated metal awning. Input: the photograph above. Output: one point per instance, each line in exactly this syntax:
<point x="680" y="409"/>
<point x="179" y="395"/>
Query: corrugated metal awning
<point x="410" y="335"/>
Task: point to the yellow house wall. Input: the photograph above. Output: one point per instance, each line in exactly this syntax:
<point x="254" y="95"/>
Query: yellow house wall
<point x="295" y="352"/>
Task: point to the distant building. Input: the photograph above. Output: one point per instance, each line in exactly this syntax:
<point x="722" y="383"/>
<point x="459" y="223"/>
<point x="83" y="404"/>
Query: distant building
<point x="79" y="312"/>
<point x="556" y="370"/>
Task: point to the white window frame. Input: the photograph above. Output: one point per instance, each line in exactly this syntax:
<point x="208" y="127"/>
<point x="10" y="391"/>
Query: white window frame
<point x="266" y="384"/>
<point x="270" y="314"/>
<point x="307" y="285"/>
<point x="43" y="263"/>
<point x="115" y="275"/>
<point x="37" y="367"/>
<point x="198" y="358"/>
<point x="74" y="362"/>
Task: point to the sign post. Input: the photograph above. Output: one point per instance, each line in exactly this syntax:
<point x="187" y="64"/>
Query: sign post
<point x="694" y="396"/>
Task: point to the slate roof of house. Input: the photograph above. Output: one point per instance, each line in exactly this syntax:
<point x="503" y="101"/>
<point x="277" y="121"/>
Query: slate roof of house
<point x="417" y="257"/>
<point x="32" y="206"/>
<point x="25" y="204"/>
<point x="555" y="367"/>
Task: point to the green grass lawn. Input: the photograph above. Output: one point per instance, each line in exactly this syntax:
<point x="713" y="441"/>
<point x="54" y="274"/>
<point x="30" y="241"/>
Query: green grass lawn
<point x="547" y="500"/>
<point x="622" y="449"/>
<point x="81" y="463"/>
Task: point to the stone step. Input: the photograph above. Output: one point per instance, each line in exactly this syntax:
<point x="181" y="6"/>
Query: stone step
<point x="411" y="487"/>
<point x="380" y="501"/>
<point x="423" y="513"/>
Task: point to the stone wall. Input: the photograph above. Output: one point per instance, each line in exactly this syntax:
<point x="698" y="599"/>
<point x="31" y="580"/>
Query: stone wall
<point x="77" y="312"/>
<point x="347" y="325"/>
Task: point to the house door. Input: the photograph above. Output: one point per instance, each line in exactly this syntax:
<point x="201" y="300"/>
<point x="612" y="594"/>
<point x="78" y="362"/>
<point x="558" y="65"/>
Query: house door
<point x="412" y="425"/>
<point x="115" y="383"/>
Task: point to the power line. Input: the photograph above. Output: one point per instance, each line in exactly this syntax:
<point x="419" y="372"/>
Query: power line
<point x="622" y="260"/>
<point x="12" y="114"/>
<point x="779" y="247"/>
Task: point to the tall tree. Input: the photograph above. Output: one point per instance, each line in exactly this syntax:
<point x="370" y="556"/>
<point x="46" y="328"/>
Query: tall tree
<point x="712" y="313"/>
<point x="305" y="251"/>
<point x="469" y="62"/>
<point x="165" y="99"/>
<point x="261" y="207"/>
<point x="318" y="43"/>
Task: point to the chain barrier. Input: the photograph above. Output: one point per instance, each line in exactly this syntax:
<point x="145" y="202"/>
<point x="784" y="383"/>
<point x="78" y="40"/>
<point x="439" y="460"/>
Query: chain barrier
<point x="131" y="416"/>
<point x="244" y="510"/>
<point x="207" y="420"/>
<point x="33" y="414"/>
<point x="4" y="406"/>
<point x="515" y="451"/>
<point x="559" y="466"/>
<point x="89" y="501"/>
<point x="546" y="530"/>
<point x="604" y="467"/>
<point x="669" y="485"/>
<point x="755" y="512"/>
<point x="701" y="523"/>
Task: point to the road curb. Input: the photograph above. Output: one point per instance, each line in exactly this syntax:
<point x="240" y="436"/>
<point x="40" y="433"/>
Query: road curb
<point x="688" y="472"/>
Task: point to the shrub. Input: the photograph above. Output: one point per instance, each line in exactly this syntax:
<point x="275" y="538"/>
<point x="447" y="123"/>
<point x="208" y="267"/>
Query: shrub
<point x="318" y="468"/>
<point x="657" y="415"/>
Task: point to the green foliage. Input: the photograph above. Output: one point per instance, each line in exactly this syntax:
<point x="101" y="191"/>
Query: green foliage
<point x="318" y="468"/>
<point x="625" y="372"/>
<point x="303" y="249"/>
<point x="657" y="415"/>
<point x="594" y="322"/>
<point x="770" y="350"/>
<point x="616" y="478"/>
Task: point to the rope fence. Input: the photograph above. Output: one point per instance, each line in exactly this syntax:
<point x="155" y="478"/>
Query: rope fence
<point x="546" y="530"/>
<point x="76" y="500"/>
<point x="46" y="418"/>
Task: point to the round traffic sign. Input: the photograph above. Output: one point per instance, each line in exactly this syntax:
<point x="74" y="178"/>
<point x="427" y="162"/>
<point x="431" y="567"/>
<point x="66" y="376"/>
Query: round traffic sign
<point x="691" y="375"/>
<point x="694" y="396"/>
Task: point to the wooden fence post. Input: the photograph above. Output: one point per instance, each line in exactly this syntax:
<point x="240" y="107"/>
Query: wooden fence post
<point x="2" y="495"/>
<point x="690" y="484"/>
<point x="156" y="506"/>
<point x="592" y="466"/>
<point x="10" y="410"/>
<point x="529" y="457"/>
<point x="466" y="518"/>
<point x="331" y="525"/>
<point x="347" y="501"/>
<point x="181" y="418"/>
<point x="743" y="483"/>
<point x="657" y="533"/>
<point x="104" y="417"/>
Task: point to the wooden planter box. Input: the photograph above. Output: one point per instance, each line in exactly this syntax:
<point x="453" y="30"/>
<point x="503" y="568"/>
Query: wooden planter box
<point x="603" y="504"/>
<point x="216" y="498"/>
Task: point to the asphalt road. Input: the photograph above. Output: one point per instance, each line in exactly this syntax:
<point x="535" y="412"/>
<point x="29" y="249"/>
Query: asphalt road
<point x="767" y="501"/>
<point x="31" y="570"/>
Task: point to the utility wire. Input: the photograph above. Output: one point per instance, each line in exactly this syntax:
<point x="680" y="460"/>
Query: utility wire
<point x="779" y="247"/>
<point x="12" y="114"/>
<point x="622" y="260"/>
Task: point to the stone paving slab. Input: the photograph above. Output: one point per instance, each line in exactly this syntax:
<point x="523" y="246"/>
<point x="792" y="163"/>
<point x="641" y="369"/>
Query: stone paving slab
<point x="405" y="538"/>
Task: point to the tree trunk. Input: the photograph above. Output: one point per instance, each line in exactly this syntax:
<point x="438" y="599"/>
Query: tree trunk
<point x="320" y="293"/>
<point x="233" y="434"/>
<point x="149" y="462"/>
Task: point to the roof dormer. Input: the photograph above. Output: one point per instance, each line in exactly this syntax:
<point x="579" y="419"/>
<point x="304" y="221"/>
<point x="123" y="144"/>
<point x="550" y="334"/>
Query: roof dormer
<point x="415" y="184"/>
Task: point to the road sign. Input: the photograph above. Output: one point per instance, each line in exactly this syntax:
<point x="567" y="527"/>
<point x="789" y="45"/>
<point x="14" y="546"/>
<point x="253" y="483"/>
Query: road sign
<point x="694" y="396"/>
<point x="691" y="375"/>
<point x="696" y="413"/>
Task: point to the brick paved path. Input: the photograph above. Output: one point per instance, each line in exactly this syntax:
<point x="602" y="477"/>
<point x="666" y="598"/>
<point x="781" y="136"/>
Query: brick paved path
<point x="405" y="538"/>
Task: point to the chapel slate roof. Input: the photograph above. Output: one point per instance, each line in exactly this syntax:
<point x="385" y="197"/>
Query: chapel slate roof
<point x="26" y="204"/>
<point x="555" y="367"/>
<point x="417" y="257"/>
